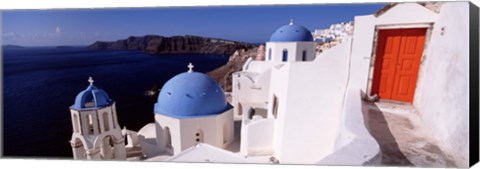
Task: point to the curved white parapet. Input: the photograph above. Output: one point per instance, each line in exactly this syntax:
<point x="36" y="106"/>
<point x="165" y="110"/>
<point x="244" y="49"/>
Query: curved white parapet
<point x="147" y="140"/>
<point x="354" y="145"/>
<point x="257" y="137"/>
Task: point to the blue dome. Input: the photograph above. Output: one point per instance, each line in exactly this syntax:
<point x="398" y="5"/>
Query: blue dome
<point x="291" y="33"/>
<point x="191" y="94"/>
<point x="91" y="98"/>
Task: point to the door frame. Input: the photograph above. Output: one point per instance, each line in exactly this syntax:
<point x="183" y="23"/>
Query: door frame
<point x="427" y="26"/>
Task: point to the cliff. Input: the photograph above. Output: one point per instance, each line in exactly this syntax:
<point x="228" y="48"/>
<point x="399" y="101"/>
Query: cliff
<point x="223" y="75"/>
<point x="154" y="44"/>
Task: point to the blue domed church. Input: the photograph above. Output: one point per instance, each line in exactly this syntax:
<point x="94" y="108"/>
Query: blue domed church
<point x="96" y="133"/>
<point x="290" y="43"/>
<point x="191" y="109"/>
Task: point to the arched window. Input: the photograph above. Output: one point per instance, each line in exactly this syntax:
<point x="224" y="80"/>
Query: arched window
<point x="285" y="55"/>
<point x="79" y="149"/>
<point x="304" y="55"/>
<point x="114" y="118"/>
<point x="269" y="53"/>
<point x="91" y="125"/>
<point x="75" y="123"/>
<point x="168" y="137"/>
<point x="106" y="124"/>
<point x="225" y="133"/>
<point x="107" y="150"/>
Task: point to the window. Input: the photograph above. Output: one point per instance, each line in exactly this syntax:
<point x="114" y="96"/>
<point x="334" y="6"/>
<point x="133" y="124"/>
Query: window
<point x="107" y="143"/>
<point x="114" y="118"/>
<point x="304" y="55"/>
<point x="275" y="106"/>
<point x="75" y="123"/>
<point x="285" y="55"/>
<point x="269" y="53"/>
<point x="198" y="136"/>
<point x="225" y="133"/>
<point x="251" y="113"/>
<point x="91" y="126"/>
<point x="106" y="124"/>
<point x="168" y="137"/>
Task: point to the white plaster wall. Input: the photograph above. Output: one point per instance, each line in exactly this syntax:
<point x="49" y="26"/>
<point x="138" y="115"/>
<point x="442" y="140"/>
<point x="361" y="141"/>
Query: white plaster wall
<point x="227" y="120"/>
<point x="442" y="94"/>
<point x="309" y="114"/>
<point x="277" y="50"/>
<point x="250" y="87"/>
<point x="278" y="88"/>
<point x="259" y="66"/>
<point x="76" y="122"/>
<point x="190" y="126"/>
<point x="257" y="137"/>
<point x="245" y="91"/>
<point x="362" y="46"/>
<point x="305" y="46"/>
<point x="406" y="13"/>
<point x="148" y="137"/>
<point x="183" y="130"/>
<point x="354" y="144"/>
<point x="207" y="153"/>
<point x="173" y="124"/>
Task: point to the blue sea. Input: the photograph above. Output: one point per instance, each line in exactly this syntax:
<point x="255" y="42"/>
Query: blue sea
<point x="40" y="84"/>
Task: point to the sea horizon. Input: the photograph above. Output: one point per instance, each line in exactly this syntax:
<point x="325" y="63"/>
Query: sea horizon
<point x="40" y="84"/>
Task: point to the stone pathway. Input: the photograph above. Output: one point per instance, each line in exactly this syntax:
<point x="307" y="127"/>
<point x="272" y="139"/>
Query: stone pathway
<point x="403" y="139"/>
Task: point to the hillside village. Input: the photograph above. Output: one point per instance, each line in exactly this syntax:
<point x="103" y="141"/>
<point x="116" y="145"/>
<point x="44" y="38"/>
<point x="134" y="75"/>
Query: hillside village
<point x="389" y="88"/>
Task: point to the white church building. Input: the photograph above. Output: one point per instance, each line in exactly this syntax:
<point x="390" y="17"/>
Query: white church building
<point x="296" y="107"/>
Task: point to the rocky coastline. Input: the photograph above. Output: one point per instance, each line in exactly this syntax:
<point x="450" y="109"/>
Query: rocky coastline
<point x="188" y="44"/>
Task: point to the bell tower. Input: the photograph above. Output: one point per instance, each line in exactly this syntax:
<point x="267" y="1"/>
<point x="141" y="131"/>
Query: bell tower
<point x="96" y="133"/>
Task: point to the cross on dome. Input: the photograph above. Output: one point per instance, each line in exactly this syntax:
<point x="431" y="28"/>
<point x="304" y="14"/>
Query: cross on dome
<point x="90" y="80"/>
<point x="190" y="67"/>
<point x="291" y="21"/>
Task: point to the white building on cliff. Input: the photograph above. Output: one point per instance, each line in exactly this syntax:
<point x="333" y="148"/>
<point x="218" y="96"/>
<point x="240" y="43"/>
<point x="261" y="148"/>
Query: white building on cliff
<point x="296" y="107"/>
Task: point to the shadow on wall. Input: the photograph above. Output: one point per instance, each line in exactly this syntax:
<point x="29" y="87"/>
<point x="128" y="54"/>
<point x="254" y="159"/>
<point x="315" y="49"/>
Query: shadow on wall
<point x="378" y="127"/>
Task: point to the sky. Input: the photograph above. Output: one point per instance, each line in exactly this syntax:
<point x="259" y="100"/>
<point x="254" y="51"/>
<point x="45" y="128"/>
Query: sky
<point x="255" y="24"/>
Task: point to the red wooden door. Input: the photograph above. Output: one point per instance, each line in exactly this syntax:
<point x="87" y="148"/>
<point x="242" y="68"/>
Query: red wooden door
<point x="397" y="62"/>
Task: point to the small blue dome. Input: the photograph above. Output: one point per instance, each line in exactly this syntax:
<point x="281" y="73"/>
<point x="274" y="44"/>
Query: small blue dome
<point x="91" y="98"/>
<point x="291" y="33"/>
<point x="191" y="94"/>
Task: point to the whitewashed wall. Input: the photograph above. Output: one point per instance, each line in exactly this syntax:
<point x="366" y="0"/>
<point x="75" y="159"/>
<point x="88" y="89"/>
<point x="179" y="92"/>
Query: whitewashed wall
<point x="251" y="85"/>
<point x="310" y="102"/>
<point x="161" y="122"/>
<point x="295" y="50"/>
<point x="149" y="137"/>
<point x="442" y="94"/>
<point x="257" y="137"/>
<point x="212" y="130"/>
<point x="354" y="144"/>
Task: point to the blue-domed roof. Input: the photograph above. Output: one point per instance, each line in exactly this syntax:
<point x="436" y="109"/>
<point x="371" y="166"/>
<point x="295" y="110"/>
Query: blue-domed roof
<point x="291" y="33"/>
<point x="91" y="98"/>
<point x="191" y="94"/>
